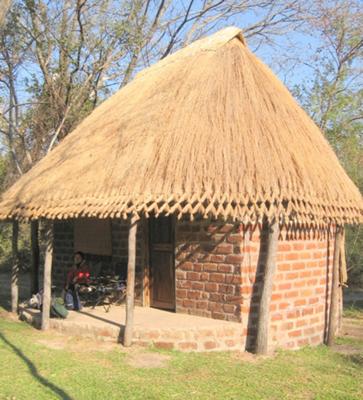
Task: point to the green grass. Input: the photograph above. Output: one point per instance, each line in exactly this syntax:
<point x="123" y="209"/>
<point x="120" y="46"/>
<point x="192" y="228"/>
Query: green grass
<point x="353" y="312"/>
<point x="30" y="370"/>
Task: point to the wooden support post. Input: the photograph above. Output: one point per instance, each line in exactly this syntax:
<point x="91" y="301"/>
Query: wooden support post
<point x="269" y="272"/>
<point x="130" y="291"/>
<point x="47" y="278"/>
<point x="34" y="239"/>
<point x="334" y="298"/>
<point x="15" y="269"/>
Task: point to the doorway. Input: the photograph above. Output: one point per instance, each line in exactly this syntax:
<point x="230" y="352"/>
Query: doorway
<point x="162" y="263"/>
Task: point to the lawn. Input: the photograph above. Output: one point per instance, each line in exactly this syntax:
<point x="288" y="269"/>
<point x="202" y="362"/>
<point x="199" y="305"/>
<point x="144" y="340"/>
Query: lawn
<point x="36" y="365"/>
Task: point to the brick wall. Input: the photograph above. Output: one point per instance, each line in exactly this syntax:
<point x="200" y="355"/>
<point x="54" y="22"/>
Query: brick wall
<point x="64" y="249"/>
<point x="208" y="269"/>
<point x="218" y="274"/>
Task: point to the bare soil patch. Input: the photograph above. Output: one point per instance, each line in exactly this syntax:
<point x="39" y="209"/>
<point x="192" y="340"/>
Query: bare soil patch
<point x="147" y="360"/>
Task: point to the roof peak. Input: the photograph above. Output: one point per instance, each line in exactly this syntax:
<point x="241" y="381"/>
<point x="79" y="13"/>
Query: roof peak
<point x="208" y="43"/>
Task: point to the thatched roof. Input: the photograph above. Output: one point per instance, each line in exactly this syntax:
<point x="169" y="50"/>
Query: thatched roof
<point x="208" y="130"/>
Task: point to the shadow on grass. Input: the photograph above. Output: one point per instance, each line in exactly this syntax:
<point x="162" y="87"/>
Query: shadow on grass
<point x="33" y="370"/>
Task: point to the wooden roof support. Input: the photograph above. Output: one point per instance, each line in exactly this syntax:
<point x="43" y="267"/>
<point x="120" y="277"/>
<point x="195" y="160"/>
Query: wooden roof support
<point x="130" y="293"/>
<point x="335" y="289"/>
<point x="269" y="272"/>
<point x="47" y="277"/>
<point x="34" y="239"/>
<point x="15" y="268"/>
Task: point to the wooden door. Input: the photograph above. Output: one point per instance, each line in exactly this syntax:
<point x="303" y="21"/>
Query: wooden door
<point x="162" y="271"/>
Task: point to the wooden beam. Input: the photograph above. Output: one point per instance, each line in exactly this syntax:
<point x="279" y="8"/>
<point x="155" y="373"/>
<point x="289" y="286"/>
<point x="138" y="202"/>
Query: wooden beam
<point x="15" y="268"/>
<point x="334" y="297"/>
<point x="130" y="291"/>
<point x="47" y="277"/>
<point x="34" y="239"/>
<point x="146" y="258"/>
<point x="267" y="283"/>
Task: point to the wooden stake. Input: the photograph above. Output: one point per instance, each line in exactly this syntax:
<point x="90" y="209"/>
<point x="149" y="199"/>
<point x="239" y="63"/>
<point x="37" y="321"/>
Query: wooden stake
<point x="130" y="291"/>
<point x="47" y="278"/>
<point x="15" y="269"/>
<point x="34" y="239"/>
<point x="264" y="310"/>
<point x="334" y="298"/>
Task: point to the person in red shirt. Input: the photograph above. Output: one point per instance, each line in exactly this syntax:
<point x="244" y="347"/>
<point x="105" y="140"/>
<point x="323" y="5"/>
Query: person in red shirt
<point x="78" y="274"/>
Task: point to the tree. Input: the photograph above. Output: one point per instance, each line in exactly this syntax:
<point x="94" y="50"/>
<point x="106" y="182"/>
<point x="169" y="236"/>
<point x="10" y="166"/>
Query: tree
<point x="334" y="96"/>
<point x="58" y="60"/>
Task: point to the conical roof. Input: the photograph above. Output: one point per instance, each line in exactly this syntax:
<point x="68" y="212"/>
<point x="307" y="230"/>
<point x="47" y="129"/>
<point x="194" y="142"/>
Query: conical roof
<point x="208" y="130"/>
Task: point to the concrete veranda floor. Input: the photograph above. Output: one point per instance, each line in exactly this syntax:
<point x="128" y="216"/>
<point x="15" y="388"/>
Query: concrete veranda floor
<point x="152" y="326"/>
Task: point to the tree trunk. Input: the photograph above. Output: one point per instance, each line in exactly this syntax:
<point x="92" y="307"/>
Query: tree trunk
<point x="15" y="269"/>
<point x="334" y="298"/>
<point x="130" y="294"/>
<point x="47" y="278"/>
<point x="264" y="310"/>
<point x="34" y="238"/>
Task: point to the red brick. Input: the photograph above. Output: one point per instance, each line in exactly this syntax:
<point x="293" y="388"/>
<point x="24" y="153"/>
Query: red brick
<point x="293" y="314"/>
<point x="276" y="317"/>
<point x="181" y="275"/>
<point x="164" y="345"/>
<point x="187" y="346"/>
<point x="284" y="266"/>
<point x="298" y="246"/>
<point x="202" y="304"/>
<point x="276" y="296"/>
<point x="283" y="247"/>
<point x="181" y="294"/>
<point x="305" y="256"/>
<point x="224" y="249"/>
<point x="188" y="303"/>
<point x="310" y="246"/>
<point x="234" y="258"/>
<point x="295" y="333"/>
<point x="300" y="323"/>
<point x="292" y="293"/>
<point x="303" y="342"/>
<point x="193" y="294"/>
<point x="193" y="276"/>
<point x="305" y="274"/>
<point x="284" y="286"/>
<point x="216" y="258"/>
<point x="226" y="289"/>
<point x="233" y="299"/>
<point x="225" y="268"/>
<point x="307" y="311"/>
<point x="296" y="266"/>
<point x="317" y="254"/>
<point x="292" y="275"/>
<point x="186" y="266"/>
<point x="216" y="297"/>
<point x="210" y="267"/>
<point x="217" y="278"/>
<point x="291" y="256"/>
<point x="197" y="267"/>
<point x="299" y="302"/>
<point x="209" y="345"/>
<point x="229" y="308"/>
<point x="286" y="326"/>
<point x="198" y="285"/>
<point x="211" y="287"/>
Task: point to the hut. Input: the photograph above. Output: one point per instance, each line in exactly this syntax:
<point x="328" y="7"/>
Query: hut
<point x="216" y="189"/>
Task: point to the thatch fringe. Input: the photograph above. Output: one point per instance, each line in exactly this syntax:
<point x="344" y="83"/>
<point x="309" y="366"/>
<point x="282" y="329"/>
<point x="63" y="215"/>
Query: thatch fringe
<point x="292" y="213"/>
